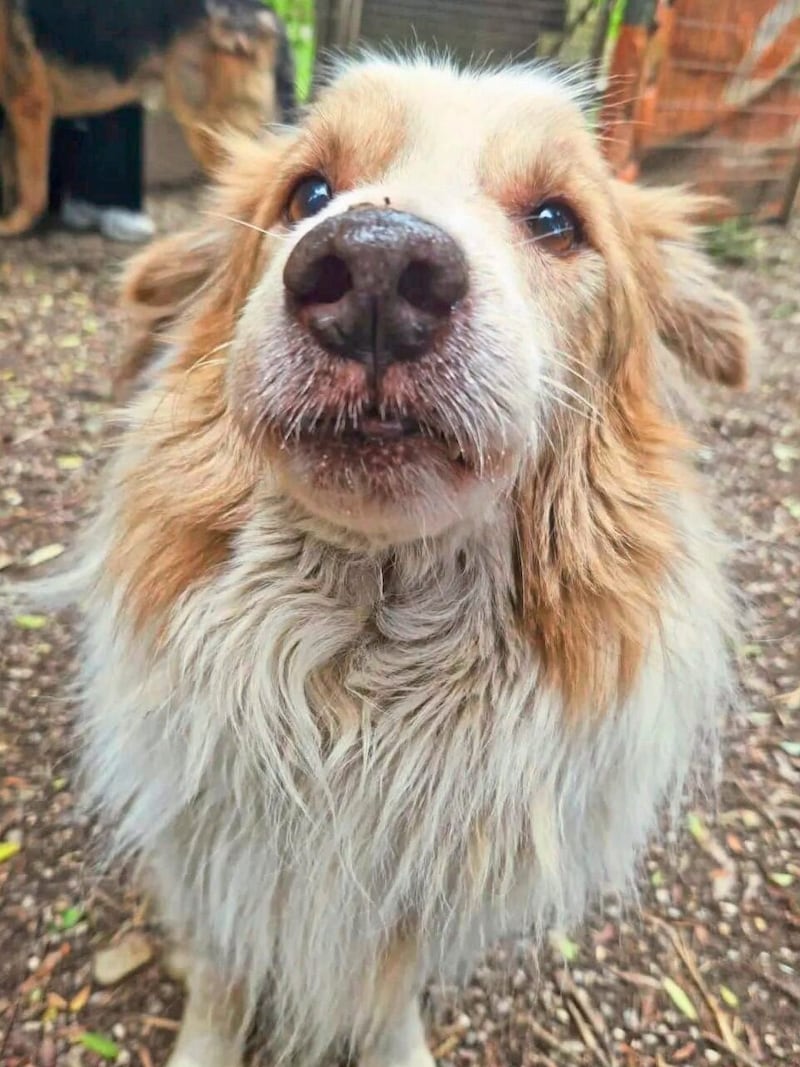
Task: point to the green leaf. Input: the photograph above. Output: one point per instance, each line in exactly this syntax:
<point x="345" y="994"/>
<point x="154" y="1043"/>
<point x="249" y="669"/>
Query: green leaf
<point x="785" y="455"/>
<point x="680" y="999"/>
<point x="749" y="651"/>
<point x="8" y="849"/>
<point x="103" y="1046"/>
<point x="791" y="748"/>
<point x="729" y="996"/>
<point x="30" y="622"/>
<point x="782" y="879"/>
<point x="70" y="917"/>
<point x="696" y="827"/>
<point x="565" y="947"/>
<point x="69" y="463"/>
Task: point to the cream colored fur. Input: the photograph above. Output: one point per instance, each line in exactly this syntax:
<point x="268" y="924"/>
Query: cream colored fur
<point x="338" y="759"/>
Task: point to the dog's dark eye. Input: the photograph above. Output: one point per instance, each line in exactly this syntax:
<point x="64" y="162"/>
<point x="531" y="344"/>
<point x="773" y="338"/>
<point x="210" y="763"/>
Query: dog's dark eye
<point x="309" y="197"/>
<point x="555" y="227"/>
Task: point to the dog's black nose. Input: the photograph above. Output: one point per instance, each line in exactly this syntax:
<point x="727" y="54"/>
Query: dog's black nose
<point x="374" y="284"/>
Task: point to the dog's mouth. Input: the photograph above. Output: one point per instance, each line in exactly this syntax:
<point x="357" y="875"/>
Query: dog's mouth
<point x="374" y="430"/>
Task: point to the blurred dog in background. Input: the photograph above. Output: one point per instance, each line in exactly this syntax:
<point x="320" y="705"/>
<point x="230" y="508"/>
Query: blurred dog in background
<point x="219" y="63"/>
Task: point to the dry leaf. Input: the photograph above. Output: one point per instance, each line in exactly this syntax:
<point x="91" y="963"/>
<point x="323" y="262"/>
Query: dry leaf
<point x="44" y="554"/>
<point x="80" y="999"/>
<point x="116" y="962"/>
<point x="680" y="998"/>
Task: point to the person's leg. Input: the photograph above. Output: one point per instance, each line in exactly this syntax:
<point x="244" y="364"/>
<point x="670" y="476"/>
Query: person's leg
<point x="67" y="144"/>
<point x="109" y="172"/>
<point x="107" y="181"/>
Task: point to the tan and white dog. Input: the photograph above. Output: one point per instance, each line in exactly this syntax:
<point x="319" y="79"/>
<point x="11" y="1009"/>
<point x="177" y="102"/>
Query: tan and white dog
<point x="404" y="618"/>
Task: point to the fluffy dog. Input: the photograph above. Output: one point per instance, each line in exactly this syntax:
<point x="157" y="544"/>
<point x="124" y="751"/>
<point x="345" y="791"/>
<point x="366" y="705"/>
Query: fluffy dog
<point x="219" y="62"/>
<point x="404" y="619"/>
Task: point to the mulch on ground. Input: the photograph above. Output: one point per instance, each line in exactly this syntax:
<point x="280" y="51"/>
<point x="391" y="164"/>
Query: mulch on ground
<point x="705" y="971"/>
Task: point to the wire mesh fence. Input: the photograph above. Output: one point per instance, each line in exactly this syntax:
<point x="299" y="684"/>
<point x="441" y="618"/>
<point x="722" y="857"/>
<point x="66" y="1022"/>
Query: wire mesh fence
<point x="699" y="91"/>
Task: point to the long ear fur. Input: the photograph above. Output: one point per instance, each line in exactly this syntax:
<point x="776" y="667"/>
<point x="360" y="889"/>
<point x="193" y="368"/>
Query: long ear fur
<point x="710" y="331"/>
<point x="162" y="283"/>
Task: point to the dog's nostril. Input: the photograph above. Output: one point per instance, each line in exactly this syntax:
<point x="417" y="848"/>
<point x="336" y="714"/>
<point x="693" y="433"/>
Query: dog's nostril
<point x="433" y="285"/>
<point x="327" y="281"/>
<point x="416" y="285"/>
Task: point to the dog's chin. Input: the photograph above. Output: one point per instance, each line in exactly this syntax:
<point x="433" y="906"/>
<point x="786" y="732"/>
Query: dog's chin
<point x="388" y="481"/>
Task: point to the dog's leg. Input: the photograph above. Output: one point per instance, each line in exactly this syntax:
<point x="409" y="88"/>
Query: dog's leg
<point x="29" y="114"/>
<point x="214" y="1025"/>
<point x="401" y="1042"/>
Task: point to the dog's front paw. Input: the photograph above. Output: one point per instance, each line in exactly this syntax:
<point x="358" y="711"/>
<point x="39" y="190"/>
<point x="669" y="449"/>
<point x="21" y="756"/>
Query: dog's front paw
<point x="209" y="1053"/>
<point x="419" y="1056"/>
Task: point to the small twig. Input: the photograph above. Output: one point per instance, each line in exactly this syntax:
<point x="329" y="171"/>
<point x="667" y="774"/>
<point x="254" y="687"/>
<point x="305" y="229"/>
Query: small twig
<point x="585" y="1031"/>
<point x="688" y="960"/>
<point x="447" y="1046"/>
<point x="156" y="1022"/>
<point x="7" y="1034"/>
<point x="791" y="991"/>
<point x="549" y="1039"/>
<point x="644" y="981"/>
<point x="582" y="1002"/>
<point x="751" y="800"/>
<point x="737" y="1054"/>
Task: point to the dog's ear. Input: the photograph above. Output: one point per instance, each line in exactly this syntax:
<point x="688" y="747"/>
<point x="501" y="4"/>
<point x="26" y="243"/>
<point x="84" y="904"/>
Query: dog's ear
<point x="240" y="32"/>
<point x="157" y="285"/>
<point x="209" y="264"/>
<point x="707" y="329"/>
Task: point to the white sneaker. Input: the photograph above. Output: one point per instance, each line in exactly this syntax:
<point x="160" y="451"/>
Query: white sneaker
<point x="80" y="215"/>
<point x="119" y="224"/>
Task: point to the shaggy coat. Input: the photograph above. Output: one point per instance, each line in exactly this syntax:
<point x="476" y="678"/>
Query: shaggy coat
<point x="360" y="707"/>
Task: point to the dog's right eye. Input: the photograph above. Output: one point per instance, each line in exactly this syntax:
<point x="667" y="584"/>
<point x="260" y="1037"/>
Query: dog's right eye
<point x="310" y="196"/>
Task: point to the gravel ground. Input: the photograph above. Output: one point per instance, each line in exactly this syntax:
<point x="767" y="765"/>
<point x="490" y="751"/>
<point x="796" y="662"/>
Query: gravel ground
<point x="706" y="971"/>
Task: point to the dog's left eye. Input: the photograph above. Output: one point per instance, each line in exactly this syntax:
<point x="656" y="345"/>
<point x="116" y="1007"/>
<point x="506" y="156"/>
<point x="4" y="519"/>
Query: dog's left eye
<point x="555" y="227"/>
<point x="310" y="196"/>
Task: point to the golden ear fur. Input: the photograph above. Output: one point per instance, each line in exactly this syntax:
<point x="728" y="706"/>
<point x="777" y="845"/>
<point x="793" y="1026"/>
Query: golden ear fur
<point x="595" y="536"/>
<point x="173" y="277"/>
<point x="706" y="328"/>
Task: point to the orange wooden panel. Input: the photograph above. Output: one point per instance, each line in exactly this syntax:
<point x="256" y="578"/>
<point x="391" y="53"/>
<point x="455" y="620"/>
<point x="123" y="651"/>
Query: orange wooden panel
<point x="717" y="98"/>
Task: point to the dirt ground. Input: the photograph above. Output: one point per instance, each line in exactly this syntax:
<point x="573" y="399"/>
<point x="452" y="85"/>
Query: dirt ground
<point x="706" y="971"/>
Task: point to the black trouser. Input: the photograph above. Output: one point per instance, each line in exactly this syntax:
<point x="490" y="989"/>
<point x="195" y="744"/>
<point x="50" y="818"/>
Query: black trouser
<point x="99" y="159"/>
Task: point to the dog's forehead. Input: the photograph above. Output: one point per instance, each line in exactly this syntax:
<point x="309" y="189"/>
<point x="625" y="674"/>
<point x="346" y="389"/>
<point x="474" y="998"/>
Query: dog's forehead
<point x="429" y="106"/>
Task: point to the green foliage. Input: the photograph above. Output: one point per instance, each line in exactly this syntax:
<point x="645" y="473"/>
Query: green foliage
<point x="299" y="18"/>
<point x="615" y="22"/>
<point x="734" y="241"/>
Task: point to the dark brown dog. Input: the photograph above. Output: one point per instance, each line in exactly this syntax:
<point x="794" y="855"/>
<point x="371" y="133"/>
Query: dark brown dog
<point x="219" y="63"/>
